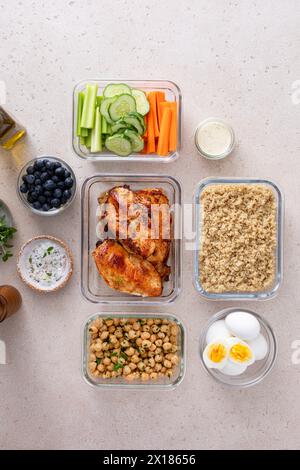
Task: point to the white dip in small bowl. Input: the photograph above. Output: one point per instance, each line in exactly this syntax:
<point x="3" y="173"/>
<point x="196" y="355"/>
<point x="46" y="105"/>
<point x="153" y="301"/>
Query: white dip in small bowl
<point x="45" y="263"/>
<point x="214" y="139"/>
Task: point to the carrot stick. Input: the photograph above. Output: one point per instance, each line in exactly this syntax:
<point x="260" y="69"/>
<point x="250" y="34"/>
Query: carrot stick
<point x="173" y="129"/>
<point x="164" y="136"/>
<point x="160" y="96"/>
<point x="150" y="127"/>
<point x="145" y="136"/>
<point x="153" y="112"/>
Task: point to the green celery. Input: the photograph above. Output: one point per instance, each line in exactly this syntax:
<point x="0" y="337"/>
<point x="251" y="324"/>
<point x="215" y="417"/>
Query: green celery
<point x="80" y="100"/>
<point x="89" y="106"/>
<point x="88" y="140"/>
<point x="82" y="140"/>
<point x="99" y="100"/>
<point x="96" y="142"/>
<point x="84" y="132"/>
<point x="104" y="125"/>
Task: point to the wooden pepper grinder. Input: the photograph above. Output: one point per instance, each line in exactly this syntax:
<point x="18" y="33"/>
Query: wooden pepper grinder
<point x="10" y="301"/>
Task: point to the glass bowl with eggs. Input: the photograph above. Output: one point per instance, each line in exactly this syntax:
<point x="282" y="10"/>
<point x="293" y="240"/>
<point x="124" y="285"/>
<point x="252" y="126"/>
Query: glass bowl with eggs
<point x="238" y="347"/>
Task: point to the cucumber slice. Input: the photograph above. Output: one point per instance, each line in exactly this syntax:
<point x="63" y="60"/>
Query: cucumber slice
<point x="136" y="140"/>
<point x="114" y="89"/>
<point x="104" y="108"/>
<point x="142" y="103"/>
<point x="119" y="126"/>
<point x="119" y="145"/>
<point x="139" y="117"/>
<point x="133" y="121"/>
<point x="122" y="105"/>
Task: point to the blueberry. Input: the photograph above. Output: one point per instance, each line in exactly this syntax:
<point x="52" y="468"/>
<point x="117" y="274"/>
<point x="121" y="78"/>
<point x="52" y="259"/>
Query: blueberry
<point x="48" y="194"/>
<point x="44" y="176"/>
<point x="46" y="207"/>
<point x="55" y="202"/>
<point x="61" y="185"/>
<point x="30" y="170"/>
<point x="30" y="179"/>
<point x="57" y="193"/>
<point x="38" y="189"/>
<point x="49" y="165"/>
<point x="66" y="194"/>
<point x="24" y="178"/>
<point x="34" y="195"/>
<point x="37" y="205"/>
<point x="55" y="179"/>
<point x="69" y="182"/>
<point x="37" y="174"/>
<point x="56" y="165"/>
<point x="45" y="162"/>
<point x="29" y="198"/>
<point x="49" y="185"/>
<point x="23" y="188"/>
<point x="60" y="172"/>
<point x="42" y="199"/>
<point x="38" y="181"/>
<point x="39" y="164"/>
<point x="67" y="174"/>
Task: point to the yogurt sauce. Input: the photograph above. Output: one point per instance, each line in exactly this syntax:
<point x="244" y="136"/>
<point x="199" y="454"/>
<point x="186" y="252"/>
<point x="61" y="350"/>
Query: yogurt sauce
<point x="45" y="264"/>
<point x="214" y="139"/>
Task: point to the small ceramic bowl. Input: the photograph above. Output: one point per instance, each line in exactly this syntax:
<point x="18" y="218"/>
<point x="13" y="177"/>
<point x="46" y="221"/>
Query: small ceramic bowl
<point x="44" y="244"/>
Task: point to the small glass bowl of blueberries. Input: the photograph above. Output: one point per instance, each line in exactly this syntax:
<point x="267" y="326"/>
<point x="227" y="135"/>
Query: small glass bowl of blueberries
<point x="47" y="185"/>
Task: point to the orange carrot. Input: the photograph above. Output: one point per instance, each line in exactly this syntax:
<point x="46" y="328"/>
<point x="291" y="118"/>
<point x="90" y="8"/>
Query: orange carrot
<point x="150" y="127"/>
<point x="145" y="136"/>
<point x="153" y="112"/>
<point x="164" y="136"/>
<point x="173" y="129"/>
<point x="160" y="96"/>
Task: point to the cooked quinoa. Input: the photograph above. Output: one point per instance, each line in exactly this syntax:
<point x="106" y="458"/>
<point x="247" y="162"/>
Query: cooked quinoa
<point x="238" y="238"/>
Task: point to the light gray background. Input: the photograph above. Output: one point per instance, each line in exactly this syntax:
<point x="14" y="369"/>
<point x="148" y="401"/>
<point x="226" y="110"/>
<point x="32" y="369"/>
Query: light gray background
<point x="235" y="60"/>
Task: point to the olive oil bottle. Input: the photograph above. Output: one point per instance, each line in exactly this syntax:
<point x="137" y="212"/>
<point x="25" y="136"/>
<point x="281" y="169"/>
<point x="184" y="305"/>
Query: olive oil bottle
<point x="10" y="131"/>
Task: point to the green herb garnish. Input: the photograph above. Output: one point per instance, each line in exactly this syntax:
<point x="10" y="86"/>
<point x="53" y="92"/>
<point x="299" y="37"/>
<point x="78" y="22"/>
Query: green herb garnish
<point x="124" y="356"/>
<point x="98" y="360"/>
<point x="6" y="233"/>
<point x="51" y="248"/>
<point x="118" y="366"/>
<point x="113" y="354"/>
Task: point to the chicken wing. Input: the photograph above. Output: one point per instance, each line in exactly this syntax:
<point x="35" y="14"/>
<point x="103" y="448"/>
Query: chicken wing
<point x="126" y="272"/>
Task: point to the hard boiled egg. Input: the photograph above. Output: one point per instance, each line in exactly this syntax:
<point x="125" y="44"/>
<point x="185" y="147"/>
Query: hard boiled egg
<point x="239" y="352"/>
<point x="244" y="325"/>
<point x="260" y="347"/>
<point x="232" y="368"/>
<point x="217" y="330"/>
<point x="215" y="354"/>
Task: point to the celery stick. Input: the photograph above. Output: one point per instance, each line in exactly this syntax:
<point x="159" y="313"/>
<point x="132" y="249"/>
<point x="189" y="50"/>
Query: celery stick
<point x="98" y="100"/>
<point x="96" y="142"/>
<point x="80" y="100"/>
<point x="82" y="140"/>
<point x="88" y="140"/>
<point x="104" y="125"/>
<point x="89" y="105"/>
<point x="84" y="132"/>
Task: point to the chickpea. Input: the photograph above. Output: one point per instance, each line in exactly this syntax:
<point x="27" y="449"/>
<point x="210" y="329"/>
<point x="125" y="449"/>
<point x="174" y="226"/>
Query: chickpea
<point x="113" y="373"/>
<point x="127" y="328"/>
<point x="106" y="375"/>
<point x="129" y="351"/>
<point x="146" y="328"/>
<point x="109" y="322"/>
<point x="123" y="321"/>
<point x="122" y="360"/>
<point x="118" y="333"/>
<point x="145" y="376"/>
<point x="145" y="335"/>
<point x="105" y="346"/>
<point x="160" y="334"/>
<point x="165" y="322"/>
<point x="104" y="335"/>
<point x="106" y="361"/>
<point x="166" y="339"/>
<point x="135" y="359"/>
<point x="164" y="328"/>
<point x="158" y="350"/>
<point x="136" y="326"/>
<point x="92" y="366"/>
<point x="158" y="358"/>
<point x="151" y="353"/>
<point x="174" y="348"/>
<point x="98" y="322"/>
<point x="132" y="366"/>
<point x="131" y="334"/>
<point x="100" y="367"/>
<point x="167" y="346"/>
<point x="146" y="344"/>
<point x="130" y="377"/>
<point x="157" y="321"/>
<point x="173" y="339"/>
<point x="169" y="373"/>
<point x="103" y="328"/>
<point x="99" y="354"/>
<point x="113" y="339"/>
<point x="167" y="364"/>
<point x="153" y="338"/>
<point x="151" y="362"/>
<point x="174" y="330"/>
<point x="141" y="365"/>
<point x="116" y="321"/>
<point x="150" y="322"/>
<point x="152" y="347"/>
<point x="163" y="369"/>
<point x="98" y="347"/>
<point x="92" y="357"/>
<point x="157" y="367"/>
<point x="114" y="359"/>
<point x="139" y="342"/>
<point x="142" y="351"/>
<point x="112" y="329"/>
<point x="148" y="369"/>
<point x="93" y="329"/>
<point x="153" y="375"/>
<point x="155" y="328"/>
<point x="126" y="370"/>
<point x="158" y="343"/>
<point x="125" y="343"/>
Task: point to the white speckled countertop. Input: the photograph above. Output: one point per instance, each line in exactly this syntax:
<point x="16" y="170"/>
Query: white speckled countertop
<point x="235" y="60"/>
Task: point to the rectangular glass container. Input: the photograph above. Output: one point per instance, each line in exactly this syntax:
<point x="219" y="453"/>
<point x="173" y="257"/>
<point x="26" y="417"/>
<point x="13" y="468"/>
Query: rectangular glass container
<point x="119" y="382"/>
<point x="172" y="93"/>
<point x="259" y="295"/>
<point x="93" y="286"/>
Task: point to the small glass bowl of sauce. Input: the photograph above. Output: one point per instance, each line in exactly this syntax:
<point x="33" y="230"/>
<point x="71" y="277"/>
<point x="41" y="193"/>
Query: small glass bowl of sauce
<point x="214" y="139"/>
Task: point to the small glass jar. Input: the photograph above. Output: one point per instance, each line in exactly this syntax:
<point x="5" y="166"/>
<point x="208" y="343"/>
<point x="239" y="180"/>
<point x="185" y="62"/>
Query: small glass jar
<point x="10" y="130"/>
<point x="214" y="139"/>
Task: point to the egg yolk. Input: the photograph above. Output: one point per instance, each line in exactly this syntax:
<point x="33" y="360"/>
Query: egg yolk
<point x="240" y="352"/>
<point x="217" y="352"/>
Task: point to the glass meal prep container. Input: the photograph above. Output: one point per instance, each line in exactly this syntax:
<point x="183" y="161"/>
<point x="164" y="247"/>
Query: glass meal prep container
<point x="172" y="93"/>
<point x="279" y="199"/>
<point x="93" y="287"/>
<point x="119" y="382"/>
